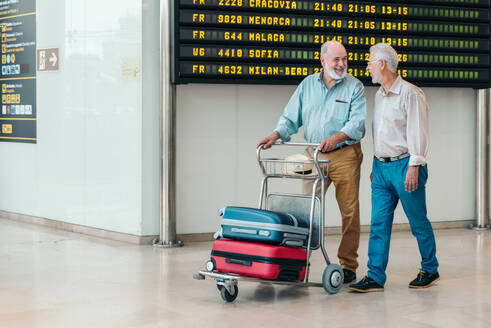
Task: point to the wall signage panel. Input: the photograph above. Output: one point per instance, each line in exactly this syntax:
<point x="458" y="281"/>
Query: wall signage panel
<point x="440" y="43"/>
<point x="18" y="70"/>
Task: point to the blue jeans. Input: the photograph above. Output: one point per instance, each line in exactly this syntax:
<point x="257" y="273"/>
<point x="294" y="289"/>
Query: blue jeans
<point x="387" y="190"/>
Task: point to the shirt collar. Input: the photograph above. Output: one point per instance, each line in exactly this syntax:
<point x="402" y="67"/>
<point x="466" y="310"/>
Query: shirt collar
<point x="395" y="88"/>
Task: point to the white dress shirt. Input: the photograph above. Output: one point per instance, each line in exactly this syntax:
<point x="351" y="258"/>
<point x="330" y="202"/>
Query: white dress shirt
<point x="400" y="122"/>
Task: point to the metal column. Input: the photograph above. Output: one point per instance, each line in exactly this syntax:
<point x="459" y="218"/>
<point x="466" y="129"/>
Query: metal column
<point x="482" y="160"/>
<point x="167" y="236"/>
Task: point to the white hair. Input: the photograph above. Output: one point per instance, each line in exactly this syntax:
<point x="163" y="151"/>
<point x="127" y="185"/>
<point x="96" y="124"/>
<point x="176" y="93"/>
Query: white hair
<point x="382" y="51"/>
<point x="325" y="47"/>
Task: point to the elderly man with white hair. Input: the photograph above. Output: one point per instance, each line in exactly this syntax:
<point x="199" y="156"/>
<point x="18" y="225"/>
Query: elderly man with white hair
<point x="331" y="107"/>
<point x="399" y="172"/>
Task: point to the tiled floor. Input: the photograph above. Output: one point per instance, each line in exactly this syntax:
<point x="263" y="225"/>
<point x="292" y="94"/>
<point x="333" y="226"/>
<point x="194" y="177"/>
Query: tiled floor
<point x="50" y="278"/>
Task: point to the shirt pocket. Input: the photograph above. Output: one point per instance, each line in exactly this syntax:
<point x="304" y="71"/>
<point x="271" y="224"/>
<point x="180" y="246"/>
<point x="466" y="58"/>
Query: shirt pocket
<point x="396" y="116"/>
<point x="340" y="110"/>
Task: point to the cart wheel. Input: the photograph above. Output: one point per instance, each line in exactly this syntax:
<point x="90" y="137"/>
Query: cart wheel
<point x="333" y="278"/>
<point x="226" y="296"/>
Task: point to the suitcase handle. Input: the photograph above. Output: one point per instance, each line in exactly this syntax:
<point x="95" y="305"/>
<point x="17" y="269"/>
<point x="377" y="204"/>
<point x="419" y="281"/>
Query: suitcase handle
<point x="235" y="261"/>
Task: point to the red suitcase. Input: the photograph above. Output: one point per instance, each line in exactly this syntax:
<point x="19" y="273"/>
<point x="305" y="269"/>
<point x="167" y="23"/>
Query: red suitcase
<point x="259" y="260"/>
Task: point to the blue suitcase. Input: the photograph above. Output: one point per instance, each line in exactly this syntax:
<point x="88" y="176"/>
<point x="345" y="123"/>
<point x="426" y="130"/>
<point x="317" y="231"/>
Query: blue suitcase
<point x="262" y="226"/>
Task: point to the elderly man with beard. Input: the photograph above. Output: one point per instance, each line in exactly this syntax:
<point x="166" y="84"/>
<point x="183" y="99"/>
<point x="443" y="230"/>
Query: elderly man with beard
<point x="399" y="172"/>
<point x="331" y="107"/>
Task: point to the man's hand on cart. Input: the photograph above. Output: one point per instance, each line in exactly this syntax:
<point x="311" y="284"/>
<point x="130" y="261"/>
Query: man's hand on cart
<point x="329" y="144"/>
<point x="269" y="141"/>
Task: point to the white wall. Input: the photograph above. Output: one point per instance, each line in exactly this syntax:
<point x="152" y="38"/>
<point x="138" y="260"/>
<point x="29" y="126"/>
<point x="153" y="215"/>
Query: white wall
<point x="87" y="165"/>
<point x="150" y="205"/>
<point x="218" y="127"/>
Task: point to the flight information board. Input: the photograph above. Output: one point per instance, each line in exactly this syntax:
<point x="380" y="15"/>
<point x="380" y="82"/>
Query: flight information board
<point x="18" y="71"/>
<point x="440" y="42"/>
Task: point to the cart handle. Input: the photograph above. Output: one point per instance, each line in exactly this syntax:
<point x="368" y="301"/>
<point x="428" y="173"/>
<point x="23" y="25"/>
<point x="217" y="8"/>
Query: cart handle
<point x="316" y="159"/>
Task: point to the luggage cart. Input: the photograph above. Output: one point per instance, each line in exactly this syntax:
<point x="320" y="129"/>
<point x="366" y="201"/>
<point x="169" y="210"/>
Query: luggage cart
<point x="306" y="207"/>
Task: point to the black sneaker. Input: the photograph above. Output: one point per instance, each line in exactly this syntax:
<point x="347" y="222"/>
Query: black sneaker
<point x="366" y="285"/>
<point x="424" y="280"/>
<point x="349" y="276"/>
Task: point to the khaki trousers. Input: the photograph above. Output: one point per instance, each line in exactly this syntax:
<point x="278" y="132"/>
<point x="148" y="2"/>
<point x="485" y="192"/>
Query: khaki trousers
<point x="344" y="173"/>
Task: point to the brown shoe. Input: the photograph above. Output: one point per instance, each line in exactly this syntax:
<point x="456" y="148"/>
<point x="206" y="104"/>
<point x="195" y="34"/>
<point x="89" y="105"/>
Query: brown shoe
<point x="349" y="276"/>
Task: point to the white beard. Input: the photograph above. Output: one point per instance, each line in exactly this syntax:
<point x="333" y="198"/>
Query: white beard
<point x="375" y="79"/>
<point x="334" y="75"/>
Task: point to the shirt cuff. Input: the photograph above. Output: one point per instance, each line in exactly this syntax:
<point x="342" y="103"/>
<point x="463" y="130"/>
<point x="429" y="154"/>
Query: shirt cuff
<point x="416" y="160"/>
<point x="283" y="133"/>
<point x="350" y="133"/>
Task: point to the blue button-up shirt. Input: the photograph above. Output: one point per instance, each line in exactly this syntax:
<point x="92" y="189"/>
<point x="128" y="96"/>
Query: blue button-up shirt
<point x="323" y="112"/>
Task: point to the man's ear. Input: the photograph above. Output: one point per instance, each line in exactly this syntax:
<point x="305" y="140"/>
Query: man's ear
<point x="383" y="65"/>
<point x="322" y="61"/>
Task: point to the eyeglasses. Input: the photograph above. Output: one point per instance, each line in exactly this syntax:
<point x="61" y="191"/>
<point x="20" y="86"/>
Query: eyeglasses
<point x="372" y="62"/>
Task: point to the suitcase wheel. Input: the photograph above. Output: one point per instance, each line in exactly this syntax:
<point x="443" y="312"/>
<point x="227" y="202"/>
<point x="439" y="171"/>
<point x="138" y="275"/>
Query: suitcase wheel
<point x="226" y="296"/>
<point x="210" y="265"/>
<point x="333" y="278"/>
